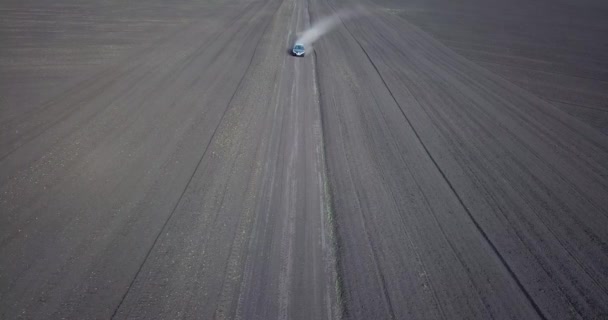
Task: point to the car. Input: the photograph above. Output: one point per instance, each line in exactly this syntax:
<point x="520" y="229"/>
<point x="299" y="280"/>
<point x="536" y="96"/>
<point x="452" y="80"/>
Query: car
<point x="298" y="50"/>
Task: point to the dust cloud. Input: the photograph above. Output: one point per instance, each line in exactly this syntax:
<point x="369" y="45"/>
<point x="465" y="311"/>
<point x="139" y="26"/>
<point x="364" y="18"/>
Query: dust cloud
<point x="325" y="25"/>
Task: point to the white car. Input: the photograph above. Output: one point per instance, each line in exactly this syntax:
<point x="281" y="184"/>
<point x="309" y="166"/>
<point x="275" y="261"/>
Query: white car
<point x="298" y="50"/>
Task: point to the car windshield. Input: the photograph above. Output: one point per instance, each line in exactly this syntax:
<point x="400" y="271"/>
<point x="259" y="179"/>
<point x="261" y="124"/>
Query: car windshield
<point x="299" y="47"/>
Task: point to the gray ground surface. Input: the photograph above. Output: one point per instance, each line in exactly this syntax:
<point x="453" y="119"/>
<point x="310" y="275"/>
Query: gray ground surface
<point x="173" y="161"/>
<point x="555" y="49"/>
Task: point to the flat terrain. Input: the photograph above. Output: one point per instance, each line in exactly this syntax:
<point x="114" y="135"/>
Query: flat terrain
<point x="425" y="160"/>
<point x="556" y="50"/>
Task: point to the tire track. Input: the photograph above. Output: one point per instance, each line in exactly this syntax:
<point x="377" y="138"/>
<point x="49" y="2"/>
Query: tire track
<point x="191" y="177"/>
<point x="471" y="217"/>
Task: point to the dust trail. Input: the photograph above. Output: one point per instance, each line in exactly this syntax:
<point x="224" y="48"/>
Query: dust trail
<point x="325" y="25"/>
